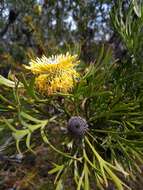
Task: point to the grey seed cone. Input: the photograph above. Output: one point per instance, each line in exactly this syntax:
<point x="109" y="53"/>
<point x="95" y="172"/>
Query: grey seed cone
<point x="77" y="126"/>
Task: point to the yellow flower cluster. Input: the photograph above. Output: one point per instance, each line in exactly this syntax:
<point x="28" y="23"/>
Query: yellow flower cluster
<point x="54" y="74"/>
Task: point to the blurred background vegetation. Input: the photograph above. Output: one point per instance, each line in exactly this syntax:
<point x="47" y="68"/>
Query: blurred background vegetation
<point x="37" y="27"/>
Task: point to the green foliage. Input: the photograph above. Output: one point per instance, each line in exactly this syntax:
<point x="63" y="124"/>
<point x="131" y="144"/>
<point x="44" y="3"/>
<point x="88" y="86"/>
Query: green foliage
<point x="108" y="95"/>
<point x="129" y="25"/>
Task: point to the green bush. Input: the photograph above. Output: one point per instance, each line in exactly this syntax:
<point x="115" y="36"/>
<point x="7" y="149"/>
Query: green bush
<point x="108" y="96"/>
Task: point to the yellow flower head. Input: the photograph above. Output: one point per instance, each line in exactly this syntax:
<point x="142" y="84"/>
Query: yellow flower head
<point x="54" y="74"/>
<point x="52" y="64"/>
